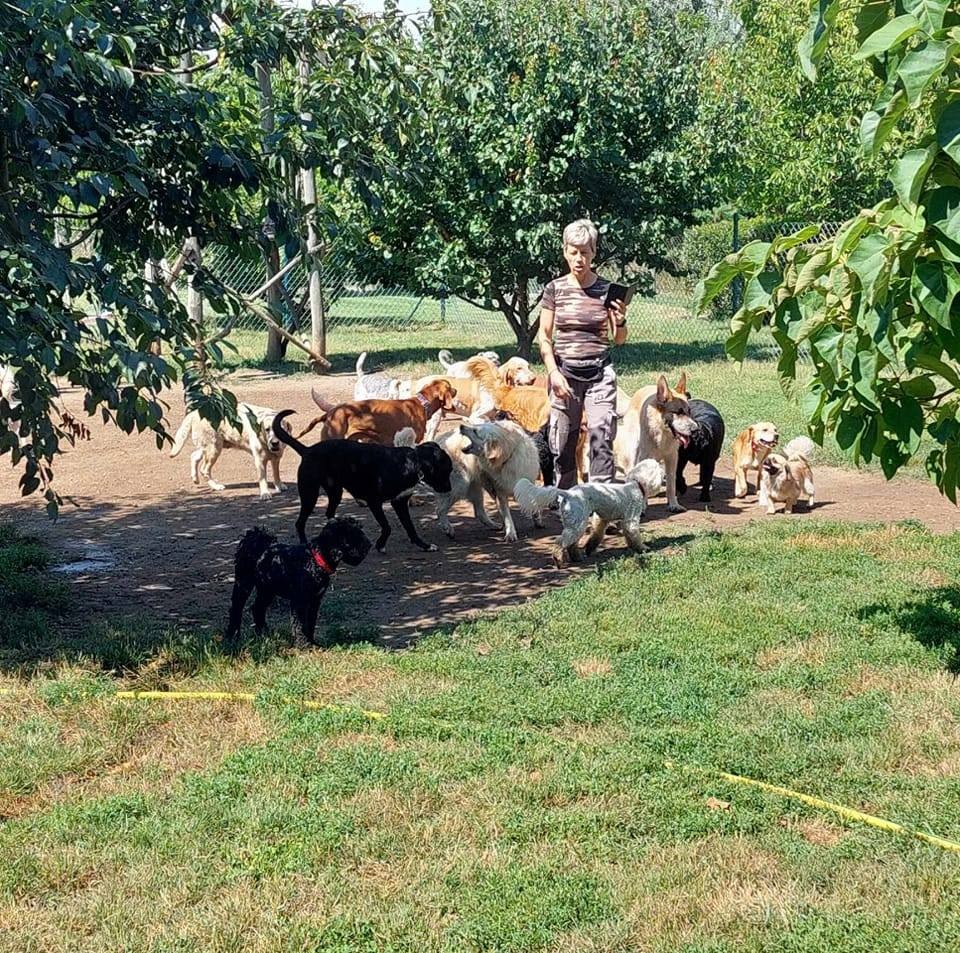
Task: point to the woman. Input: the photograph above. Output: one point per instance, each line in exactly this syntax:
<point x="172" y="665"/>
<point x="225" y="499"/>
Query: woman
<point x="575" y="334"/>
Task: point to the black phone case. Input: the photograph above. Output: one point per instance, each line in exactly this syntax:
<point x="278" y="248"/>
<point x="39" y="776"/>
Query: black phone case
<point x="618" y="293"/>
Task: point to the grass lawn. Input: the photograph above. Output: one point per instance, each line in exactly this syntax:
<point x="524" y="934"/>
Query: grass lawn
<point x="516" y="796"/>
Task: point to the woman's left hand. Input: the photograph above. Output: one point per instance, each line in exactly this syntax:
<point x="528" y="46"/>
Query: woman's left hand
<point x="617" y="312"/>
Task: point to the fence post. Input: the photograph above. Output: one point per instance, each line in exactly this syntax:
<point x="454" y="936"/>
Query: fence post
<point x="443" y="305"/>
<point x="308" y="193"/>
<point x="737" y="290"/>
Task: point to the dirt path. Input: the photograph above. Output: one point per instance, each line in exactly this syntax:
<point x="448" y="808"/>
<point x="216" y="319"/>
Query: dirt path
<point x="141" y="539"/>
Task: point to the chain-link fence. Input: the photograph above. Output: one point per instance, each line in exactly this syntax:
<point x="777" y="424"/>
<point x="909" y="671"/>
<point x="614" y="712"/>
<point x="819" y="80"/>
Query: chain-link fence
<point x="360" y="316"/>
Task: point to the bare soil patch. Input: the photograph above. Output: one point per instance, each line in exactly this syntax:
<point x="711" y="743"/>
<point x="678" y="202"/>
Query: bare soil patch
<point x="144" y="541"/>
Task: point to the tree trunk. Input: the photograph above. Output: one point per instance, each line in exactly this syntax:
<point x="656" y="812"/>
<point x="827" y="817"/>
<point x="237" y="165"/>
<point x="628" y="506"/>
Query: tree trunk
<point x="275" y="349"/>
<point x="195" y="304"/>
<point x="517" y="312"/>
<point x="308" y="186"/>
<point x="151" y="273"/>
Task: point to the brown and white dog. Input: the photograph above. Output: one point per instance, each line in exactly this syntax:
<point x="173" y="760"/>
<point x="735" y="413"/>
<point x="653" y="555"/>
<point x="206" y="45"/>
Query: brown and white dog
<point x="656" y="424"/>
<point x="378" y="421"/>
<point x="750" y="449"/>
<point x="785" y="477"/>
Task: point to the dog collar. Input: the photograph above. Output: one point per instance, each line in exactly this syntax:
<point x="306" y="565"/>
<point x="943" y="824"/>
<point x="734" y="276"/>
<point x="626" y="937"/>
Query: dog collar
<point x="423" y="400"/>
<point x="321" y="562"/>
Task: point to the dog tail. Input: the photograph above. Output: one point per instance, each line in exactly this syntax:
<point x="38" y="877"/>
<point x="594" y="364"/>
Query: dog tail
<point x="180" y="438"/>
<point x="534" y="499"/>
<point x="280" y="432"/>
<point x="482" y="370"/>
<point x="360" y="360"/>
<point x="800" y="447"/>
<point x="648" y="475"/>
<point x="322" y="402"/>
<point x="406" y="437"/>
<point x="445" y="358"/>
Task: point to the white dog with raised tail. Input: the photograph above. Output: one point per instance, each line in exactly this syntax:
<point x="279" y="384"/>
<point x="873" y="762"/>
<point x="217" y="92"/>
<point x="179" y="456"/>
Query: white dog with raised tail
<point x="595" y="505"/>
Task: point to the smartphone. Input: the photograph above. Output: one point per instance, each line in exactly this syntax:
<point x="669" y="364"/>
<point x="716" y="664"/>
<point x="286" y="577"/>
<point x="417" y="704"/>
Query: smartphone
<point x="617" y="292"/>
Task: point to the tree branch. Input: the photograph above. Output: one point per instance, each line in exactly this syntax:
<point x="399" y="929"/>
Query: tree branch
<point x="121" y="206"/>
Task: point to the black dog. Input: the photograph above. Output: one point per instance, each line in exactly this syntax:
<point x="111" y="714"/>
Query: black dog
<point x="541" y="442"/>
<point x="368" y="472"/>
<point x="300" y="574"/>
<point x="706" y="444"/>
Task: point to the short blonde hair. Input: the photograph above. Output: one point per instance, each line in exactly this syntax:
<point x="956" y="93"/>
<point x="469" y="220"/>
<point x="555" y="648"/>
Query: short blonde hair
<point x="581" y="232"/>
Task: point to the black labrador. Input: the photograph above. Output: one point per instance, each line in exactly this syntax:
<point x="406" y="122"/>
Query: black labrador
<point x="705" y="447"/>
<point x="368" y="472"/>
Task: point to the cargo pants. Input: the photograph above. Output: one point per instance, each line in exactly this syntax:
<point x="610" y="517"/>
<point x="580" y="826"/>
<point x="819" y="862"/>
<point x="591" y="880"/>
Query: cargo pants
<point x="598" y="401"/>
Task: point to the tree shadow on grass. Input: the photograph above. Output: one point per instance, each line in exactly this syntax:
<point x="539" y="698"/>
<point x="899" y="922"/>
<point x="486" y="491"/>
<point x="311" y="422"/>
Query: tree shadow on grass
<point x="933" y="620"/>
<point x="631" y="358"/>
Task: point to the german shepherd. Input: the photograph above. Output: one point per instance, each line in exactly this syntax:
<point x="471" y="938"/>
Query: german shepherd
<point x="656" y="425"/>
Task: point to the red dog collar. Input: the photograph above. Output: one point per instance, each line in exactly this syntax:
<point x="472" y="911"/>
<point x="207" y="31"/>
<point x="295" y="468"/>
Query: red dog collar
<point x="321" y="562"/>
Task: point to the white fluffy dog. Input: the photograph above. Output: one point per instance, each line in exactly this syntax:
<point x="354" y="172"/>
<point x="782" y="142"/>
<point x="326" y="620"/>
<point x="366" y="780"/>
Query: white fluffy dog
<point x="256" y="436"/>
<point x="595" y="505"/>
<point x="492" y="457"/>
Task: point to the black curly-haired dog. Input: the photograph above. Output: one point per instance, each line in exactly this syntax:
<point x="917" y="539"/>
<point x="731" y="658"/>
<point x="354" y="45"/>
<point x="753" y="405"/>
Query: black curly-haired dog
<point x="368" y="472"/>
<point x="300" y="574"/>
<point x="705" y="447"/>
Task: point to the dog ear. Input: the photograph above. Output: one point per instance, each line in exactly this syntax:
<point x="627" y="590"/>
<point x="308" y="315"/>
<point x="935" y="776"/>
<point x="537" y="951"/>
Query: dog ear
<point x="663" y="389"/>
<point x="682" y="384"/>
<point x="493" y="449"/>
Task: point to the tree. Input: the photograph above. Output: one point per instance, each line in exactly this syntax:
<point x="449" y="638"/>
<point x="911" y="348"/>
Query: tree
<point x="135" y="127"/>
<point x="877" y="307"/>
<point x="538" y="113"/>
<point x="781" y="145"/>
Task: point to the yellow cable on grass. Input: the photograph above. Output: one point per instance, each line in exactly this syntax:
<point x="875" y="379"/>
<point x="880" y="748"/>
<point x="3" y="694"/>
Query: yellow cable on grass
<point x="243" y="697"/>
<point x="850" y="813"/>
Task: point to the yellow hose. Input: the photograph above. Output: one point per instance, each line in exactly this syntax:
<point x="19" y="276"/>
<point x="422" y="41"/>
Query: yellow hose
<point x="242" y="697"/>
<point x="850" y="813"/>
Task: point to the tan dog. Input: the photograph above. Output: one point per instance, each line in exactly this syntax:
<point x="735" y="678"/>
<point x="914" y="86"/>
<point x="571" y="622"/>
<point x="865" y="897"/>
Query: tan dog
<point x="655" y="425"/>
<point x="528" y="406"/>
<point x="750" y="449"/>
<point x="470" y="400"/>
<point x="255" y="435"/>
<point x="785" y="477"/>
<point x="378" y="421"/>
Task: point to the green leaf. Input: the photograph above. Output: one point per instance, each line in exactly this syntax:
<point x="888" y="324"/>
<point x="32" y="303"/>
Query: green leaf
<point x="755" y="255"/>
<point x="933" y="287"/>
<point x="823" y="18"/>
<point x="948" y="130"/>
<point x="943" y="211"/>
<point x="786" y="242"/>
<point x="891" y="34"/>
<point x="868" y="259"/>
<point x="136" y="184"/>
<point x="849" y="234"/>
<point x="910" y="171"/>
<point x="870" y="16"/>
<point x="864" y="374"/>
<point x="923" y="388"/>
<point x="740" y="328"/>
<point x="815" y="267"/>
<point x="920" y="67"/>
<point x="930" y="13"/>
<point x="875" y="128"/>
<point x="756" y="295"/>
<point x="849" y="428"/>
<point x="716" y="280"/>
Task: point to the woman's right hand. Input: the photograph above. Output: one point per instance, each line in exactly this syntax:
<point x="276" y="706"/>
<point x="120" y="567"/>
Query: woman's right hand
<point x="559" y="385"/>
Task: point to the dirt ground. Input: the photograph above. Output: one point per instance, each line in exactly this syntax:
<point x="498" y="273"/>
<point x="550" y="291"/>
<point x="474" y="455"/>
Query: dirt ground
<point x="137" y="538"/>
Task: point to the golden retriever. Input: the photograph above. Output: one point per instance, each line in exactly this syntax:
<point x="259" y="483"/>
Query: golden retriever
<point x="750" y="449"/>
<point x="487" y="456"/>
<point x="528" y="406"/>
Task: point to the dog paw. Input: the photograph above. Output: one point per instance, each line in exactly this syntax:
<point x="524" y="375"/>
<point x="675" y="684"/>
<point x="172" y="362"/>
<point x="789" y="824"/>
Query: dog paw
<point x="215" y="486"/>
<point x="511" y="537"/>
<point x="430" y="548"/>
<point x="676" y="508"/>
<point x="280" y="487"/>
<point x="265" y="496"/>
